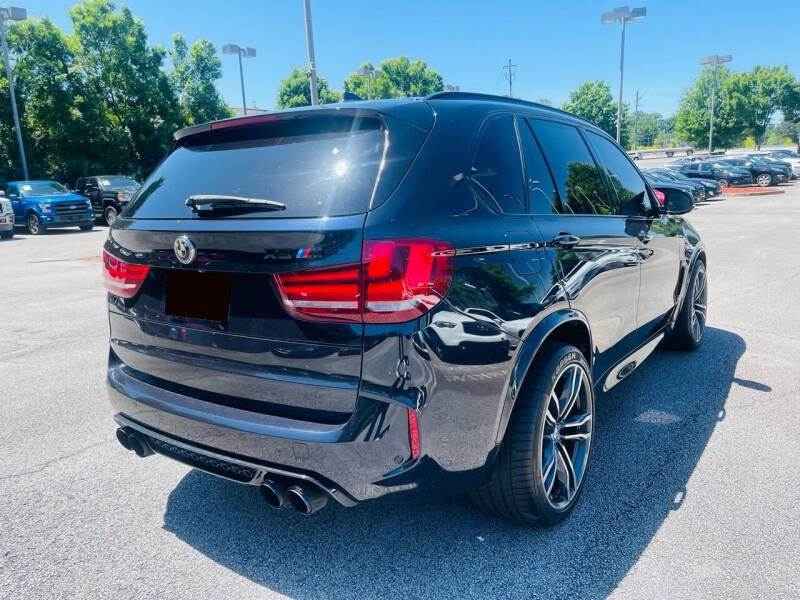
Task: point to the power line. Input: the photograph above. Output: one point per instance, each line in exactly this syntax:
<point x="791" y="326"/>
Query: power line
<point x="510" y="77"/>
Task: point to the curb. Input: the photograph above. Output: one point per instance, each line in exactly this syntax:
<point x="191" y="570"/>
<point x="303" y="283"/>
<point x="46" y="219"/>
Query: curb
<point x="730" y="193"/>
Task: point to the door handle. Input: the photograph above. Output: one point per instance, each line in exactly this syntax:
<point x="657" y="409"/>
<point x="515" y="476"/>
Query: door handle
<point x="565" y="240"/>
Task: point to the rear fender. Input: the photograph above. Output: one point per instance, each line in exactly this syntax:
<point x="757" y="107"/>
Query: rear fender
<point x="526" y="356"/>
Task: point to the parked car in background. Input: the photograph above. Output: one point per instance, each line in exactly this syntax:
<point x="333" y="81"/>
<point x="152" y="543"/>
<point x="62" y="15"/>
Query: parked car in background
<point x="6" y="217"/>
<point x="109" y="194"/>
<point x="787" y="156"/>
<point x="697" y="189"/>
<point x="774" y="160"/>
<point x="42" y="205"/>
<point x="764" y="174"/>
<point x="712" y="187"/>
<point x="382" y="231"/>
<point x="723" y="173"/>
<point x="665" y="186"/>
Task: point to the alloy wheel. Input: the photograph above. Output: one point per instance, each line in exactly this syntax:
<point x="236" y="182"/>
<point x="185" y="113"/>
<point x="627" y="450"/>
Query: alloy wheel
<point x="110" y="215"/>
<point x="723" y="182"/>
<point x="764" y="179"/>
<point x="699" y="303"/>
<point x="33" y="224"/>
<point x="566" y="436"/>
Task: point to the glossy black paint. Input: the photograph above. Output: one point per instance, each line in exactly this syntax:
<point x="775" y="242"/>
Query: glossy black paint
<point x="331" y="400"/>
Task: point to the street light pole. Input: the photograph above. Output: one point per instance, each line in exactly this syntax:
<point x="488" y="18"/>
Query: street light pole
<point x="370" y="73"/>
<point x="14" y="14"/>
<point x="312" y="65"/>
<point x="622" y="15"/>
<point x="715" y="61"/>
<point x="241" y="52"/>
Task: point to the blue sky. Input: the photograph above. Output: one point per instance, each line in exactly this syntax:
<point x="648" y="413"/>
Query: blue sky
<point x="555" y="45"/>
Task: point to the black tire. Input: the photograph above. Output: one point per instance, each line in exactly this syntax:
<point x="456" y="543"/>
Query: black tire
<point x="7" y="235"/>
<point x="110" y="214"/>
<point x="87" y="227"/>
<point x="723" y="182"/>
<point x="34" y="224"/>
<point x="687" y="335"/>
<point x="516" y="489"/>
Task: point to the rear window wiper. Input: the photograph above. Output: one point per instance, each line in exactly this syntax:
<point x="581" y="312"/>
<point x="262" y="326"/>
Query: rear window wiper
<point x="215" y="203"/>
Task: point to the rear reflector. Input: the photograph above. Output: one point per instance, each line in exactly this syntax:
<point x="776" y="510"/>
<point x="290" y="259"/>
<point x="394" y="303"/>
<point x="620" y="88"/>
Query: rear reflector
<point x="122" y="279"/>
<point x="413" y="433"/>
<point x="397" y="281"/>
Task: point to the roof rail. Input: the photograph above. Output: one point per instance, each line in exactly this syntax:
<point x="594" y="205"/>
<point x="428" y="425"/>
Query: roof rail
<point x="504" y="99"/>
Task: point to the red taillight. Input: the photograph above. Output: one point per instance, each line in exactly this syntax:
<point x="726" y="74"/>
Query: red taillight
<point x="413" y="433"/>
<point x="122" y="279"/>
<point x="397" y="281"/>
<point x="660" y="196"/>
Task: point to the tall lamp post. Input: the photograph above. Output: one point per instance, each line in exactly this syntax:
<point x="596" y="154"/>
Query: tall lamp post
<point x="312" y="64"/>
<point x="12" y="13"/>
<point x="622" y="15"/>
<point x="715" y="61"/>
<point x="242" y="52"/>
<point x="371" y="74"/>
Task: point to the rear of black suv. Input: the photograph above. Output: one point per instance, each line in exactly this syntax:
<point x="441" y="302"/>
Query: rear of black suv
<point x="408" y="298"/>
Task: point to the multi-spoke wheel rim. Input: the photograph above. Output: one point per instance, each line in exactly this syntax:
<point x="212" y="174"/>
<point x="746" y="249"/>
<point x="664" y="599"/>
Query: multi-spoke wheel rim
<point x="111" y="215"/>
<point x="33" y="224"/>
<point x="764" y="180"/>
<point x="567" y="436"/>
<point x="699" y="305"/>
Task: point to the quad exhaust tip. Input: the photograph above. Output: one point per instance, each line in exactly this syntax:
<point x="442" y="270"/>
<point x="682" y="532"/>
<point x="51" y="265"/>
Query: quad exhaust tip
<point x="306" y="500"/>
<point x="274" y="493"/>
<point x="134" y="441"/>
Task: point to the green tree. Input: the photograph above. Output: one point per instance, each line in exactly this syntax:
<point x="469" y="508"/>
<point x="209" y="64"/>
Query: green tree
<point x="692" y="119"/>
<point x="127" y="101"/>
<point x="594" y="101"/>
<point x="295" y="90"/>
<point x="755" y="96"/>
<point x="194" y="73"/>
<point x="399" y="78"/>
<point x="46" y="87"/>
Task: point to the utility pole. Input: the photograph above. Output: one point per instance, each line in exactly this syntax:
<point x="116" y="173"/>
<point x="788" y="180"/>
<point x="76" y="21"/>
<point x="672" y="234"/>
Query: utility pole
<point x="312" y="65"/>
<point x="510" y="78"/>
<point x="15" y="14"/>
<point x="636" y="120"/>
<point x="714" y="61"/>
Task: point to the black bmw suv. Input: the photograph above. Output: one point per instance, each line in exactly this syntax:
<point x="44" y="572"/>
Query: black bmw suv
<point x="403" y="298"/>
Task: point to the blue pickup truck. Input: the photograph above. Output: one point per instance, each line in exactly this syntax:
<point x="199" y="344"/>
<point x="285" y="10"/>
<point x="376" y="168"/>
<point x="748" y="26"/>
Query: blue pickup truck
<point x="43" y="205"/>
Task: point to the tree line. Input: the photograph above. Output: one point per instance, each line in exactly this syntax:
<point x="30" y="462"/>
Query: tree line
<point x="100" y="99"/>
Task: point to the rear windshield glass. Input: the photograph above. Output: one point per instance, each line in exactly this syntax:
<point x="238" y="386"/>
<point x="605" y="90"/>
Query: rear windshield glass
<point x="316" y="166"/>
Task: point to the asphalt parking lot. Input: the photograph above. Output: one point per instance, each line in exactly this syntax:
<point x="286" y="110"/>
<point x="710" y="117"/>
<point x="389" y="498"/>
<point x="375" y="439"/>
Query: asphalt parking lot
<point x="692" y="491"/>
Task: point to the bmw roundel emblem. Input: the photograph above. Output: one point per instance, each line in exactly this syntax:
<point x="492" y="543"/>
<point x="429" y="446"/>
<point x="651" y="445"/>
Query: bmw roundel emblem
<point x="185" y="250"/>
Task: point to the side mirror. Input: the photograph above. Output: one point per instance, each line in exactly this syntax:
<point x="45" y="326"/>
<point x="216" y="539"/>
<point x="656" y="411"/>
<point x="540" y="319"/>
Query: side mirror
<point x="13" y="197"/>
<point x="677" y="203"/>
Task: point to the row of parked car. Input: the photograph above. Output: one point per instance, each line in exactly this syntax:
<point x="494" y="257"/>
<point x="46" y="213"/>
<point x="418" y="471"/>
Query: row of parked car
<point x="763" y="169"/>
<point x="44" y="204"/>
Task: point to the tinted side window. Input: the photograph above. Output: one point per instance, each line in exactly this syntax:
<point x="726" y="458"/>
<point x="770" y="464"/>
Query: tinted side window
<point x="542" y="194"/>
<point x="703" y="167"/>
<point x="497" y="167"/>
<point x="578" y="179"/>
<point x="631" y="192"/>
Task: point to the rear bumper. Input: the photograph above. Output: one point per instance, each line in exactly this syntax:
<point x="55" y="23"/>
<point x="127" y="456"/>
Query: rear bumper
<point x="365" y="458"/>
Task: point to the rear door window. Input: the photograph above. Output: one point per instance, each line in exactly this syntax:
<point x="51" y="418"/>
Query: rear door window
<point x="316" y="165"/>
<point x="578" y="179"/>
<point x="542" y="194"/>
<point x="497" y="168"/>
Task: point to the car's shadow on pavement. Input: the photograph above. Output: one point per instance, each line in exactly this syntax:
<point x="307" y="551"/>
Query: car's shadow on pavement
<point x="651" y="433"/>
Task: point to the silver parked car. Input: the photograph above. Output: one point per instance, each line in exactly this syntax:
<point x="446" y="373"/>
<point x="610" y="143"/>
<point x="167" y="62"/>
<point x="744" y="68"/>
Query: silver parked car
<point x="6" y="217"/>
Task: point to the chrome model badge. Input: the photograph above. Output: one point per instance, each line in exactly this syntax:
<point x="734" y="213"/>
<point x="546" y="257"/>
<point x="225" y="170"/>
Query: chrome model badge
<point x="184" y="250"/>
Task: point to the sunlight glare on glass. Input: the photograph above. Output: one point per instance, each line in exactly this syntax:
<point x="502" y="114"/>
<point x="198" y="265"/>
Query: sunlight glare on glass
<point x="340" y="168"/>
